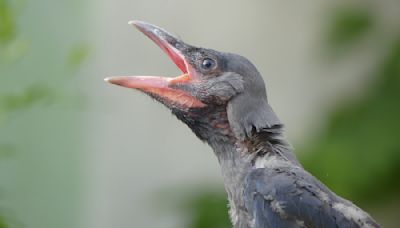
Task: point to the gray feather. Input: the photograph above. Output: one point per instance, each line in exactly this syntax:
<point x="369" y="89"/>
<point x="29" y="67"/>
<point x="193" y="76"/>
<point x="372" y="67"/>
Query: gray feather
<point x="291" y="197"/>
<point x="246" y="114"/>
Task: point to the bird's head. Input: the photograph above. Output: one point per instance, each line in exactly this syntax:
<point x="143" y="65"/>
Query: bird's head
<point x="216" y="89"/>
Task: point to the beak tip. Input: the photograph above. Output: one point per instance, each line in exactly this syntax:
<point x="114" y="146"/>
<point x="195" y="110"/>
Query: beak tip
<point x="144" y="27"/>
<point x="132" y="22"/>
<point x="138" y="24"/>
<point x="108" y="80"/>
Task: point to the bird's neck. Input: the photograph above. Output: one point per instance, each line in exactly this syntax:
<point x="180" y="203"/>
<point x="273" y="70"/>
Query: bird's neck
<point x="237" y="156"/>
<point x="263" y="149"/>
<point x="212" y="126"/>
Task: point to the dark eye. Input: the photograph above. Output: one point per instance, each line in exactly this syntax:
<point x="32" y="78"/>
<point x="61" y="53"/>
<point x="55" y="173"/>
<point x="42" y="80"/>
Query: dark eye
<point x="207" y="64"/>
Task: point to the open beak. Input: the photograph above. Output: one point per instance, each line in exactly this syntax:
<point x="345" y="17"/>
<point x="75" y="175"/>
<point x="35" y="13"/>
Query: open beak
<point x="161" y="87"/>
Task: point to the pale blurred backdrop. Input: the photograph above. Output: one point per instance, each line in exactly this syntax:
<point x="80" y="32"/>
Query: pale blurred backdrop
<point x="77" y="152"/>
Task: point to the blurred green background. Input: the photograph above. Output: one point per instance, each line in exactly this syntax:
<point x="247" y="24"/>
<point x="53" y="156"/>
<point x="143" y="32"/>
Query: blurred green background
<point x="75" y="152"/>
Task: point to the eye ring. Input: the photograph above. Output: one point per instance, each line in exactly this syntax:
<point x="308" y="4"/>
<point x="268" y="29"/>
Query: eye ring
<point x="207" y="64"/>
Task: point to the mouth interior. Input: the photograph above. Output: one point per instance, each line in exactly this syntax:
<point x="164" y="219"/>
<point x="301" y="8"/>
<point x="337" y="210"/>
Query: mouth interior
<point x="162" y="88"/>
<point x="174" y="54"/>
<point x="177" y="58"/>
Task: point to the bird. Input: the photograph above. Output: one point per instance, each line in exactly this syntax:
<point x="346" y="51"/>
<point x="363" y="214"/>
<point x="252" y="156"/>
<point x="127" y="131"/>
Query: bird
<point x="222" y="98"/>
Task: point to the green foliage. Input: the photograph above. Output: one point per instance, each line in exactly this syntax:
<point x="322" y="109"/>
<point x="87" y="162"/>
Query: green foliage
<point x="208" y="209"/>
<point x="6" y="151"/>
<point x="7" y="221"/>
<point x="7" y="22"/>
<point x="7" y="34"/>
<point x="10" y="103"/>
<point x="348" y="26"/>
<point x="12" y="46"/>
<point x="26" y="98"/>
<point x="36" y="134"/>
<point x="2" y="223"/>
<point x="14" y="50"/>
<point x="78" y="53"/>
<point x="358" y="154"/>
